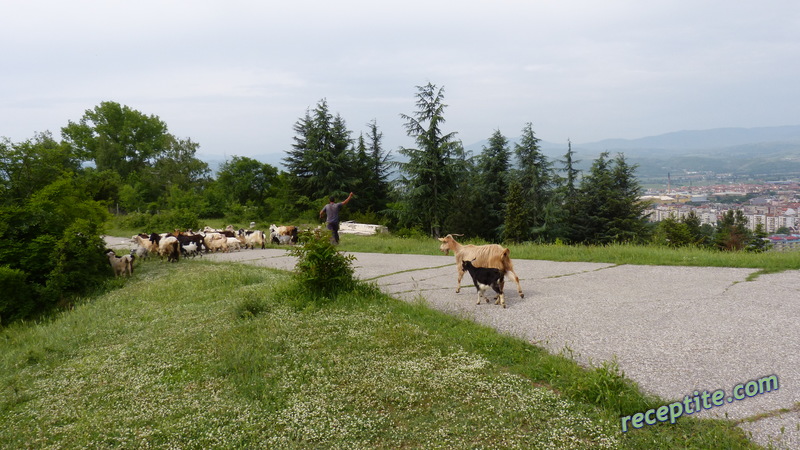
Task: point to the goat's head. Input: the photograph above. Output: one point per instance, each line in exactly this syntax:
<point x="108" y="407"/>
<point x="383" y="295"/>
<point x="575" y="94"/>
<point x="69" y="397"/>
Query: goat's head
<point x="448" y="243"/>
<point x="467" y="264"/>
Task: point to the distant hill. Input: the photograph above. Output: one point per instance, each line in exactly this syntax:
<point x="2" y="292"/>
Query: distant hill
<point x="718" y="138"/>
<point x="769" y="152"/>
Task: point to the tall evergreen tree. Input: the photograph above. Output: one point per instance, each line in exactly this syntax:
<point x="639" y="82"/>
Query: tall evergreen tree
<point x="428" y="177"/>
<point x="535" y="176"/>
<point x="372" y="165"/>
<point x="564" y="211"/>
<point x="628" y="220"/>
<point x="596" y="188"/>
<point x="609" y="209"/>
<point x="493" y="167"/>
<point x="467" y="206"/>
<point x="321" y="158"/>
<point x="571" y="179"/>
<point x="515" y="226"/>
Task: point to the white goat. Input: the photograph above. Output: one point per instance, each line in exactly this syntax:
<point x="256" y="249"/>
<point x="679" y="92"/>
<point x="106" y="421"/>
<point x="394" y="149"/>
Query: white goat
<point x="234" y="244"/>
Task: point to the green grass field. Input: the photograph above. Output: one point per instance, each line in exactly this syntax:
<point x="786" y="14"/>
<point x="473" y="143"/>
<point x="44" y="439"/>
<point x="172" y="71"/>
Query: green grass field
<point x="206" y="355"/>
<point x="768" y="262"/>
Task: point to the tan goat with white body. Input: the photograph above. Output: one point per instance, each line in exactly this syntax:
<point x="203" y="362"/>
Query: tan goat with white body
<point x="122" y="265"/>
<point x="492" y="256"/>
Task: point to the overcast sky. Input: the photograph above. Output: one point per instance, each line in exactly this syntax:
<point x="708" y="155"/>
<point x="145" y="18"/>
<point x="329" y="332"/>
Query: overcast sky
<point x="235" y="76"/>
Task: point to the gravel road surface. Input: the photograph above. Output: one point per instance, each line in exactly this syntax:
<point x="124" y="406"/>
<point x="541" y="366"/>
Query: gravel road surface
<point x="673" y="330"/>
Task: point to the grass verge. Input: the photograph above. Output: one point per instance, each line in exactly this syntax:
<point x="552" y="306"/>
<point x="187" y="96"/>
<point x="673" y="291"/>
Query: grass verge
<point x="209" y="355"/>
<point x="768" y="262"/>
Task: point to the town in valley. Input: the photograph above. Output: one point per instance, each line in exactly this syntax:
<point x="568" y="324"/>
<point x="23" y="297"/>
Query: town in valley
<point x="772" y="204"/>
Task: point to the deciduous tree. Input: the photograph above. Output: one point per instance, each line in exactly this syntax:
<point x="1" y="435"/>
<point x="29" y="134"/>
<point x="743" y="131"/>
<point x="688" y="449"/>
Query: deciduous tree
<point x="118" y="138"/>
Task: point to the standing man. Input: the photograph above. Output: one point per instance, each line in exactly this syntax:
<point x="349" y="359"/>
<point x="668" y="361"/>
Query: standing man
<point x="331" y="210"/>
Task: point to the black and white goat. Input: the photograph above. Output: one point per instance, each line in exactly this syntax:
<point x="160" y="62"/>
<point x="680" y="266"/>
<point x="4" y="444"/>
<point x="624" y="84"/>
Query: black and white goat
<point x="485" y="278"/>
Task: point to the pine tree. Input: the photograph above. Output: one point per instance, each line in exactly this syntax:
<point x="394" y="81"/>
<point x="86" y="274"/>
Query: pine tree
<point x="321" y="158"/>
<point x="428" y="178"/>
<point x="535" y="176"/>
<point x="372" y="165"/>
<point x="493" y="167"/>
<point x="608" y="204"/>
<point x="732" y="233"/>
<point x="562" y="211"/>
<point x="628" y="222"/>
<point x="515" y="226"/>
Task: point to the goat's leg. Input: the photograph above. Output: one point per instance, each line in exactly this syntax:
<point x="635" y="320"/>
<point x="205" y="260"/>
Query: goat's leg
<point x="460" y="276"/>
<point x="516" y="280"/>
<point x="499" y="289"/>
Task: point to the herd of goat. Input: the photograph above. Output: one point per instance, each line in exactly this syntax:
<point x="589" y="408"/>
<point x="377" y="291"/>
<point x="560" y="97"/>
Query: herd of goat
<point x="173" y="246"/>
<point x="487" y="264"/>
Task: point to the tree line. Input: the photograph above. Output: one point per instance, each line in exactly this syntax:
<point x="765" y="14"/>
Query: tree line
<point x="56" y="195"/>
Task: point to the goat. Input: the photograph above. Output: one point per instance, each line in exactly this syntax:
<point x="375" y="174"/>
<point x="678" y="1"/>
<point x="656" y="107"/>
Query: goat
<point x="283" y="235"/>
<point x="122" y="265"/>
<point x="233" y="244"/>
<point x="485" y="278"/>
<point x="252" y="238"/>
<point x="227" y="232"/>
<point x="187" y="239"/>
<point x="143" y="241"/>
<point x="489" y="256"/>
<point x="190" y="249"/>
<point x="168" y="246"/>
<point x="215" y="242"/>
<point x="140" y="252"/>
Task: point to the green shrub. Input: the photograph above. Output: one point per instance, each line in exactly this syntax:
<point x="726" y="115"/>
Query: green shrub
<point x="174" y="218"/>
<point x="162" y="221"/>
<point x="135" y="220"/>
<point x="80" y="261"/>
<point x="18" y="299"/>
<point x="321" y="269"/>
<point x="413" y="233"/>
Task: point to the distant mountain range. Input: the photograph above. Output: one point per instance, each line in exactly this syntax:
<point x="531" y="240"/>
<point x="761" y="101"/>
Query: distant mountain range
<point x="765" y="152"/>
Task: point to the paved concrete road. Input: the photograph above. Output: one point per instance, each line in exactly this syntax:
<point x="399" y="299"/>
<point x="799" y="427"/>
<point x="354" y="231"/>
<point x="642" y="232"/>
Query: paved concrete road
<point x="673" y="330"/>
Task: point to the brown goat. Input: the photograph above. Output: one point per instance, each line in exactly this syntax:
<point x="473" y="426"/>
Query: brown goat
<point x="491" y="256"/>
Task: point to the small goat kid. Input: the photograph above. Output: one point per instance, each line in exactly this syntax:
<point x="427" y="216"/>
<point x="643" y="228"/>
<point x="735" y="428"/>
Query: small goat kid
<point x="485" y="278"/>
<point x="487" y="256"/>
